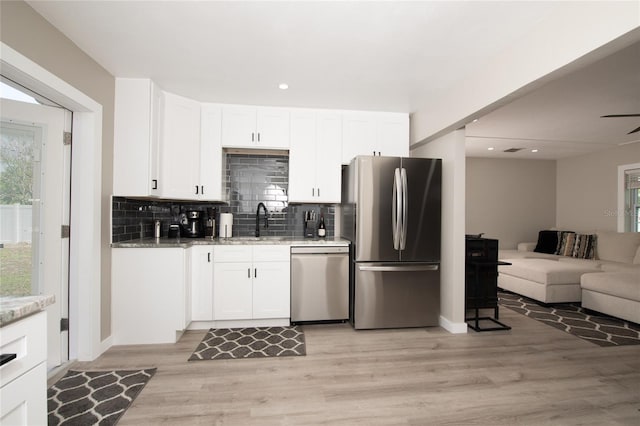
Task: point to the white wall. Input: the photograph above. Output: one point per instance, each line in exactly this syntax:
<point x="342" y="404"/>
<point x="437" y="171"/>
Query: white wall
<point x="559" y="44"/>
<point x="450" y="148"/>
<point x="587" y="191"/>
<point x="510" y="200"/>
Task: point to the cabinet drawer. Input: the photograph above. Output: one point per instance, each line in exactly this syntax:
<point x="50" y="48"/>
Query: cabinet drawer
<point x="24" y="401"/>
<point x="271" y="253"/>
<point x="239" y="253"/>
<point x="27" y="338"/>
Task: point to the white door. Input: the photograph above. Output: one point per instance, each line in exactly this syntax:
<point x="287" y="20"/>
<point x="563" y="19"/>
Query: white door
<point x="35" y="170"/>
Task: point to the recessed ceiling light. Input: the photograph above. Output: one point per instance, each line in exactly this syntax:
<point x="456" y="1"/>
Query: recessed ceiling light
<point x="283" y="86"/>
<point x="474" y="120"/>
<point x="534" y="150"/>
<point x="490" y="149"/>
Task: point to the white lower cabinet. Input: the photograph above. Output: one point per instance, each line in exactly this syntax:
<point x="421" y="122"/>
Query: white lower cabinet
<point x="251" y="282"/>
<point x="201" y="258"/>
<point x="150" y="292"/>
<point x="23" y="380"/>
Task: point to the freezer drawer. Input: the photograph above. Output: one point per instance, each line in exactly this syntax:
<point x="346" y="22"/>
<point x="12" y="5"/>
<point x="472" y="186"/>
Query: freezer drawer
<point x="319" y="284"/>
<point x="394" y="296"/>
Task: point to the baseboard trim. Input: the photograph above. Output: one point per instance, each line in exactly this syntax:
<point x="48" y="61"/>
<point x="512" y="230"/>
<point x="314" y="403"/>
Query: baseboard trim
<point x="453" y="327"/>
<point x="105" y="344"/>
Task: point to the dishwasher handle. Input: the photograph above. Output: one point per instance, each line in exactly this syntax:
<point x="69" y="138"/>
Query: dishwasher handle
<point x="320" y="250"/>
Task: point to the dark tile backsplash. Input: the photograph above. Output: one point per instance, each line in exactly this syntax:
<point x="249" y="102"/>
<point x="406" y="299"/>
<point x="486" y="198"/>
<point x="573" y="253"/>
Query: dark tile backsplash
<point x="249" y="180"/>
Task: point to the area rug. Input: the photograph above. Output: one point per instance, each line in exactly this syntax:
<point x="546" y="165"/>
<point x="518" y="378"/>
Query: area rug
<point x="252" y="342"/>
<point x="94" y="397"/>
<point x="596" y="328"/>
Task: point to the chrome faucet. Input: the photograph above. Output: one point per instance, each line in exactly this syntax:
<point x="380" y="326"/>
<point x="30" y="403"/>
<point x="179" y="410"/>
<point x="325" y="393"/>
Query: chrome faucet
<point x="266" y="218"/>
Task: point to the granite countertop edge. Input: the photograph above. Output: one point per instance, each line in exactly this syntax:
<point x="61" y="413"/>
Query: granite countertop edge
<point x="14" y="308"/>
<point x="187" y="242"/>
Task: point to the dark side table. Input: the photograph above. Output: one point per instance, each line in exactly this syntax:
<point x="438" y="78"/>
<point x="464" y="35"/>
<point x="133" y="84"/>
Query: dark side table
<point x="481" y="283"/>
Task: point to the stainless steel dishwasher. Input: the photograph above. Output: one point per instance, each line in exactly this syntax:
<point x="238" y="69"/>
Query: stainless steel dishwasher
<point x="319" y="283"/>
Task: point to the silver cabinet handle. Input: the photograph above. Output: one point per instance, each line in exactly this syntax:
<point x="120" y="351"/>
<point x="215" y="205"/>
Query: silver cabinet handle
<point x="255" y="273"/>
<point x="209" y="257"/>
<point x="248" y="272"/>
<point x="258" y="136"/>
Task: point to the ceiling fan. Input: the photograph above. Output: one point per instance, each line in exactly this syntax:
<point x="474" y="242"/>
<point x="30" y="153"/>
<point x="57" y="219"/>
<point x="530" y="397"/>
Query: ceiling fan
<point x="623" y="115"/>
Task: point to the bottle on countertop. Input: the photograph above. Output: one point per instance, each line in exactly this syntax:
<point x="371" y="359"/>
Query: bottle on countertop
<point x="322" y="231"/>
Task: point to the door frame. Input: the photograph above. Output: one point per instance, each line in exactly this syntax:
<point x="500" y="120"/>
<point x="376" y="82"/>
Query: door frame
<point x="86" y="194"/>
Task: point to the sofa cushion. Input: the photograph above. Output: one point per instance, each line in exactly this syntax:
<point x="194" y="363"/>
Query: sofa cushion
<point x="618" y="246"/>
<point x="619" y="284"/>
<point x="589" y="263"/>
<point x="547" y="242"/>
<point x="546" y="271"/>
<point x="619" y="267"/>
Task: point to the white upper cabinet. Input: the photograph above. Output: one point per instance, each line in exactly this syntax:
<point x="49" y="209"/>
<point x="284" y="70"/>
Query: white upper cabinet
<point x="211" y="157"/>
<point x="180" y="148"/>
<point x="137" y="126"/>
<point x="374" y="133"/>
<point x="314" y="157"/>
<point x="255" y="127"/>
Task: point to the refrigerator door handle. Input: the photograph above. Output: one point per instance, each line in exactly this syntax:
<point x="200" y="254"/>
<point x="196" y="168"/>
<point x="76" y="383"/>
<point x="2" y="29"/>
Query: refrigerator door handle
<point x="405" y="198"/>
<point x="398" y="268"/>
<point x="396" y="209"/>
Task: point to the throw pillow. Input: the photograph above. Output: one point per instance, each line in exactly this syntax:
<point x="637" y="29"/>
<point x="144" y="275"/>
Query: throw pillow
<point x="584" y="246"/>
<point x="547" y="242"/>
<point x="566" y="240"/>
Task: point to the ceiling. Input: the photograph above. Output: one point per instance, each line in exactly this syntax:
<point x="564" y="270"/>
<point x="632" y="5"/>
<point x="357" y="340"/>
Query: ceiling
<point x="382" y="56"/>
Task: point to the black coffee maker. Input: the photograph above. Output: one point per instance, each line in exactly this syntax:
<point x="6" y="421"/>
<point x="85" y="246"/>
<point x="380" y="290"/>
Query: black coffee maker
<point x="192" y="225"/>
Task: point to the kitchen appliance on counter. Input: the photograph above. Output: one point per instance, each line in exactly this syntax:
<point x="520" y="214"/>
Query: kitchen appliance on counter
<point x="192" y="225"/>
<point x="319" y="284"/>
<point x="210" y="225"/>
<point x="226" y="225"/>
<point x="391" y="213"/>
<point x="174" y="230"/>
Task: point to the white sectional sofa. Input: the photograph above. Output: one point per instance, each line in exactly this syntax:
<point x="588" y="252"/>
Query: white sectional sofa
<point x="608" y="283"/>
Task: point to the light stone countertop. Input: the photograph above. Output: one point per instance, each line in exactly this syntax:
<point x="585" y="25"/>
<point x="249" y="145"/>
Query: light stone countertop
<point x="189" y="242"/>
<point x="13" y="308"/>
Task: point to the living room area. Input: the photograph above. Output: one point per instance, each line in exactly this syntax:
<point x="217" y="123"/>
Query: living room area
<point x="553" y="176"/>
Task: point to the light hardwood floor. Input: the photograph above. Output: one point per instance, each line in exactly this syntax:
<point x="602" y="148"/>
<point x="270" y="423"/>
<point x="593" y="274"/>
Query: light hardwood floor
<point x="531" y="375"/>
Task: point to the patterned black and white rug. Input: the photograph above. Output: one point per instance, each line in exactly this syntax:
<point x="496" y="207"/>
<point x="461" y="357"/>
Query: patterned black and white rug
<point x="600" y="329"/>
<point x="94" y="397"/>
<point x="253" y="342"/>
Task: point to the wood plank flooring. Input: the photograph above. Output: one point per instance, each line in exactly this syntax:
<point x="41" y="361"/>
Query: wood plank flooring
<point x="530" y="375"/>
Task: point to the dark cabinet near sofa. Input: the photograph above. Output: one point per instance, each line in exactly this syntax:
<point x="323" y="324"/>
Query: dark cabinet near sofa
<point x="481" y="282"/>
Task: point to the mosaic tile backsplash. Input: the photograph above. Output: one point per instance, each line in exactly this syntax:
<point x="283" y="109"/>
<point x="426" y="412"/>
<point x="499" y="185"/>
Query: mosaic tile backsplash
<point x="249" y="179"/>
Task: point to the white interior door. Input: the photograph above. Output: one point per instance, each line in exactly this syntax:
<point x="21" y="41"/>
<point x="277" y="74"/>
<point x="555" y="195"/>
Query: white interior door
<point x="35" y="171"/>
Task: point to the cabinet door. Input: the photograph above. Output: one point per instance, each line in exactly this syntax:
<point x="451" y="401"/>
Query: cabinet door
<point x="271" y="290"/>
<point x="136" y="116"/>
<point x="180" y="148"/>
<point x="272" y="128"/>
<point x="302" y="157"/>
<point x="238" y="126"/>
<point x="393" y="135"/>
<point x="358" y="135"/>
<point x="202" y="283"/>
<point x="24" y="400"/>
<point x="211" y="153"/>
<point x="328" y="158"/>
<point x="232" y="292"/>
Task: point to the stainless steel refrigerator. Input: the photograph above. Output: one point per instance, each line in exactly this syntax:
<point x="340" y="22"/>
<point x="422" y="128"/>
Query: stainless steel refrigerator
<point x="391" y="214"/>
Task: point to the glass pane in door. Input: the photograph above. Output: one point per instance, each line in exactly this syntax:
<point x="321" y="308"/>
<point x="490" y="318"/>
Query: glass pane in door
<point x="20" y="183"/>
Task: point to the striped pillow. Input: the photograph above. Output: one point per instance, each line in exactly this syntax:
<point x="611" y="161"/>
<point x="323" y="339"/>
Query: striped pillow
<point x="565" y="243"/>
<point x="584" y="246"/>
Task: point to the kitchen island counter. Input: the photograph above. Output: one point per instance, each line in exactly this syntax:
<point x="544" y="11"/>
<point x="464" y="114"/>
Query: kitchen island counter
<point x="13" y="308"/>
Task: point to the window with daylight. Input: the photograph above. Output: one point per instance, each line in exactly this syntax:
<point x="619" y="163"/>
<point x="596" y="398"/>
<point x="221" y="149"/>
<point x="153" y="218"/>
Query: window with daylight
<point x="632" y="200"/>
